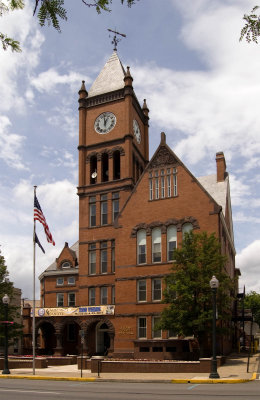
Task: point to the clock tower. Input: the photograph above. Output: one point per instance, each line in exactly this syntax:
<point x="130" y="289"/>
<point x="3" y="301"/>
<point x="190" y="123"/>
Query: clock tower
<point x="113" y="152"/>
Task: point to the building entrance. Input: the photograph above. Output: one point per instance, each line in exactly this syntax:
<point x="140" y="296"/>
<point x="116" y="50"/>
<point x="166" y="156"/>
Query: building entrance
<point x="102" y="338"/>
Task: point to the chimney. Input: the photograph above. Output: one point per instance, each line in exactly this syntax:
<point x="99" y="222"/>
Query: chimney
<point x="221" y="166"/>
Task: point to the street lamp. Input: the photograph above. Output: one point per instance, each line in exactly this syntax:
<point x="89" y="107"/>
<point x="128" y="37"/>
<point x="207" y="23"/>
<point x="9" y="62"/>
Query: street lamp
<point x="214" y="283"/>
<point x="6" y="301"/>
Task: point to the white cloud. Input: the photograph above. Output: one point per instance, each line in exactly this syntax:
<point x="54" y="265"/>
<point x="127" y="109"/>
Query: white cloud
<point x="48" y="80"/>
<point x="59" y="203"/>
<point x="10" y="145"/>
<point x="249" y="263"/>
<point x="215" y="108"/>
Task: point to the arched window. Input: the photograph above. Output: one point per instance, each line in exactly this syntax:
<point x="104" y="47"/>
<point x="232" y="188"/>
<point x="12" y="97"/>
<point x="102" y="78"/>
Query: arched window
<point x="171" y="241"/>
<point x="186" y="228"/>
<point x="156" y="245"/>
<point x="93" y="170"/>
<point x="104" y="166"/>
<point x="141" y="247"/>
<point x="116" y="164"/>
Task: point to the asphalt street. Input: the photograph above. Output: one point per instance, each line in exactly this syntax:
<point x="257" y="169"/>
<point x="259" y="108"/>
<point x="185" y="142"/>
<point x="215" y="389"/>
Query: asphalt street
<point x="51" y="390"/>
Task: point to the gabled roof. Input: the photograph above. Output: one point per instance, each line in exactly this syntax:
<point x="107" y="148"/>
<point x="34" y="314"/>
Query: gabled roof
<point x="53" y="268"/>
<point x="218" y="190"/>
<point x="110" y="78"/>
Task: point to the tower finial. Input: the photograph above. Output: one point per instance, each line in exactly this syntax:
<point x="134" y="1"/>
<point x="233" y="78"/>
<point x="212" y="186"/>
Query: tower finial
<point x="115" y="38"/>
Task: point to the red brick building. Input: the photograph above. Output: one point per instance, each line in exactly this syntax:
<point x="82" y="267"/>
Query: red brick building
<point x="133" y="212"/>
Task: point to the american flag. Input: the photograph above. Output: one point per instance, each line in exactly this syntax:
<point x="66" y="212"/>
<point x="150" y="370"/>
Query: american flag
<point x="38" y="215"/>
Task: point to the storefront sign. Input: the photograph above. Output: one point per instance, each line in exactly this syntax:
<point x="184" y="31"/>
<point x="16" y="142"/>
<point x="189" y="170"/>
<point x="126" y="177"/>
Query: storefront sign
<point x="74" y="311"/>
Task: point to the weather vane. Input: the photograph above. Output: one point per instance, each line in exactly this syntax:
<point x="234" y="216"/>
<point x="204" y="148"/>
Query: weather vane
<point x="115" y="38"/>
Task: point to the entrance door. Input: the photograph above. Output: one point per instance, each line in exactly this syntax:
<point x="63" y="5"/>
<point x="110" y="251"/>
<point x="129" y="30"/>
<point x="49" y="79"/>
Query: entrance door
<point x="102" y="338"/>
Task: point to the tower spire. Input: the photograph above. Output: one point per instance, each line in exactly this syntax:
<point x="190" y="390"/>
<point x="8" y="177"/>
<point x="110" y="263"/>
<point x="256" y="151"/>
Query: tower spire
<point x="116" y="40"/>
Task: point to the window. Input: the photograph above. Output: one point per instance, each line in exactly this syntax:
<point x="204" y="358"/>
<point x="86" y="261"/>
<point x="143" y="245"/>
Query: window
<point x="113" y="259"/>
<point x="171" y="242"/>
<point x="169" y="187"/>
<point x="113" y="295"/>
<point x="71" y="280"/>
<point x="172" y="333"/>
<point x="156" y="333"/>
<point x="93" y="170"/>
<point x="115" y="205"/>
<point x="104" y="209"/>
<point x="60" y="299"/>
<point x="92" y="259"/>
<point x="60" y="281"/>
<point x="92" y="296"/>
<point x="156" y="245"/>
<point x="141" y="290"/>
<point x="157" y="188"/>
<point x="71" y="300"/>
<point x="150" y="189"/>
<point x="104" y="167"/>
<point x="103" y="295"/>
<point x="162" y="187"/>
<point x="103" y="256"/>
<point x="141" y="246"/>
<point x="186" y="228"/>
<point x="156" y="289"/>
<point x="116" y="165"/>
<point x="142" y="328"/>
<point x="92" y="211"/>
<point x="175" y="191"/>
<point x="65" y="265"/>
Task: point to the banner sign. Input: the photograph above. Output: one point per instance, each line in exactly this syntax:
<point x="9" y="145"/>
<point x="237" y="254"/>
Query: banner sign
<point x="74" y="311"/>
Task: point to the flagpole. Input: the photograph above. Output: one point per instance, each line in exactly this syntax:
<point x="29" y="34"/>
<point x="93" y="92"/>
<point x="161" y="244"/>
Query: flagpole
<point x="33" y="325"/>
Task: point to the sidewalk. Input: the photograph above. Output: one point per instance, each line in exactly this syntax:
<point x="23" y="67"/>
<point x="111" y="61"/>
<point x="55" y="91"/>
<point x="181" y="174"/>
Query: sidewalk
<point x="233" y="371"/>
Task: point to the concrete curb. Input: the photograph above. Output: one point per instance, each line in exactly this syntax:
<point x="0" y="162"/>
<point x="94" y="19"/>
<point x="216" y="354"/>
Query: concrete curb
<point x="194" y="381"/>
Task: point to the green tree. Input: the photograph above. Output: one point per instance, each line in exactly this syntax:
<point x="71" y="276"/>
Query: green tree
<point x="188" y="293"/>
<point x="251" y="29"/>
<point x="252" y="301"/>
<point x="49" y="12"/>
<point x="6" y="287"/>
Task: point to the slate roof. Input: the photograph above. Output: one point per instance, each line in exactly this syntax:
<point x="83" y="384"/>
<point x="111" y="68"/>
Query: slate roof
<point x="218" y="190"/>
<point x="110" y="78"/>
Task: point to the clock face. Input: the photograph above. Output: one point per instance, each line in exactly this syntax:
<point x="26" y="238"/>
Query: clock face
<point x="137" y="131"/>
<point x="105" y="122"/>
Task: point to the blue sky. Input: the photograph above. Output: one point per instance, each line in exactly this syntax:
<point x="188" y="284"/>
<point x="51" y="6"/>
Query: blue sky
<point x="202" y="88"/>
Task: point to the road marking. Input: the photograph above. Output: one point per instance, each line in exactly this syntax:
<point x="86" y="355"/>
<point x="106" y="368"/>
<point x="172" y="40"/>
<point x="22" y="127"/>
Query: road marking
<point x="193" y="386"/>
<point x="28" y="391"/>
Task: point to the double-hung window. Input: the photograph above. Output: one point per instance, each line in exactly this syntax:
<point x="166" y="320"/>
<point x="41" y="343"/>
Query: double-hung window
<point x="156" y="333"/>
<point x="92" y="211"/>
<point x="103" y="295"/>
<point x="60" y="299"/>
<point x="142" y="328"/>
<point x="141" y="290"/>
<point x="156" y="244"/>
<point x="156" y="289"/>
<point x="103" y="256"/>
<point x="141" y="246"/>
<point x="71" y="300"/>
<point x="92" y="296"/>
<point x="171" y="242"/>
<point x="92" y="259"/>
<point x="104" y="216"/>
<point x="115" y="205"/>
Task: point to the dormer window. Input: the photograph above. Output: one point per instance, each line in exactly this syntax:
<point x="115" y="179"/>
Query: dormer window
<point x="65" y="265"/>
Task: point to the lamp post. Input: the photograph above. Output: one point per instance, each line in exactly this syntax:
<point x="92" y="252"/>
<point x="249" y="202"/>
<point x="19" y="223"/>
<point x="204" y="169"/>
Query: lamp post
<point x="6" y="301"/>
<point x="214" y="283"/>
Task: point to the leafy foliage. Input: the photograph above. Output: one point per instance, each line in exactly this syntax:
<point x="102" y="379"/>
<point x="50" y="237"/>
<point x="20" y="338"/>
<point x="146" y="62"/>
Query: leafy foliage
<point x="4" y="9"/>
<point x="6" y="287"/>
<point x="251" y="30"/>
<point x="49" y="12"/>
<point x="188" y="292"/>
<point x="252" y="301"/>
